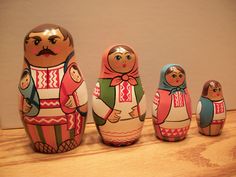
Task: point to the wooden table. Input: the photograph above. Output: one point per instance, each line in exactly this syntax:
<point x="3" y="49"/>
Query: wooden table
<point x="197" y="155"/>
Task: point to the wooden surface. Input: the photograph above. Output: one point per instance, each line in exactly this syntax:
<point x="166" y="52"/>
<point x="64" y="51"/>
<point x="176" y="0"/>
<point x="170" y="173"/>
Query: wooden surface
<point x="197" y="155"/>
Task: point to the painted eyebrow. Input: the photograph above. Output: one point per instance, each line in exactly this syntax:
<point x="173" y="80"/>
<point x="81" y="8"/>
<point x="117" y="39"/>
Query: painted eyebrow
<point x="118" y="52"/>
<point x="53" y="37"/>
<point x="37" y="38"/>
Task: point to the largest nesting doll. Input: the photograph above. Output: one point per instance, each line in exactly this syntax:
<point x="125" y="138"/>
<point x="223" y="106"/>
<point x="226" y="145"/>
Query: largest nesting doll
<point x="119" y="105"/>
<point x="172" y="105"/>
<point x="53" y="99"/>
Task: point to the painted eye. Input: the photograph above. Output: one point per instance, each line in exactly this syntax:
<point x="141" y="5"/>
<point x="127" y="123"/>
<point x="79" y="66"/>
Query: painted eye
<point x="118" y="57"/>
<point x="36" y="41"/>
<point x="53" y="40"/>
<point x="214" y="90"/>
<point x="219" y="89"/>
<point x="174" y="75"/>
<point x="128" y="57"/>
<point x="180" y="75"/>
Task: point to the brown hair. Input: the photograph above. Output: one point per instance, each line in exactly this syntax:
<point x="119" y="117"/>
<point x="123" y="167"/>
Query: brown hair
<point x="43" y="27"/>
<point x="24" y="74"/>
<point x="113" y="49"/>
<point x="169" y="70"/>
<point x="207" y="85"/>
<point x="76" y="68"/>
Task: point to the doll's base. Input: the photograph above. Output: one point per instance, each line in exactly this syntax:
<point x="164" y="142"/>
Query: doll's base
<point x="119" y="144"/>
<point x="170" y="135"/>
<point x="65" y="146"/>
<point x="208" y="132"/>
<point x="170" y="139"/>
<point x="212" y="129"/>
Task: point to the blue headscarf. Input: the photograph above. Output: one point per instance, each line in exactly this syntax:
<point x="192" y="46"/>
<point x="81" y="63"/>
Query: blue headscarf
<point x="164" y="85"/>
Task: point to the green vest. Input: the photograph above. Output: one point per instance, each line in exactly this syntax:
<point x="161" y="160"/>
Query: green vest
<point x="108" y="96"/>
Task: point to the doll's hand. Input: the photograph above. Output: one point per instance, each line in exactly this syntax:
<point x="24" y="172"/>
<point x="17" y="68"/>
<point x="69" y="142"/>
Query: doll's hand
<point x="26" y="106"/>
<point x="134" y="113"/>
<point x="70" y="102"/>
<point x="114" y="117"/>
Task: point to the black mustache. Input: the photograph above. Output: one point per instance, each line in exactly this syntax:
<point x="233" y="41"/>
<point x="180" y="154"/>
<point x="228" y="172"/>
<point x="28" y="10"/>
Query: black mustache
<point x="46" y="51"/>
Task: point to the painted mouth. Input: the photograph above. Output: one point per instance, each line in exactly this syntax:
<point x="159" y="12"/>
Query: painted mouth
<point x="124" y="65"/>
<point x="217" y="94"/>
<point x="177" y="81"/>
<point x="46" y="52"/>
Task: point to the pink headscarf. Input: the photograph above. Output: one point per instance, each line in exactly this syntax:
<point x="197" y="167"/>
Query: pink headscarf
<point x="117" y="78"/>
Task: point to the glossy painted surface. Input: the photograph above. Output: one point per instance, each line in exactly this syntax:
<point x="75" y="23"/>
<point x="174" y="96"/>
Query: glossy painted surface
<point x="53" y="94"/>
<point x="119" y="105"/>
<point x="172" y="105"/>
<point x="211" y="110"/>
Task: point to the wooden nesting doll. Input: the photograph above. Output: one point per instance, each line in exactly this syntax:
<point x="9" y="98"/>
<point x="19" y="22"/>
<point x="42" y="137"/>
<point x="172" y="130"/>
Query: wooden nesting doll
<point x="211" y="109"/>
<point x="119" y="104"/>
<point x="53" y="94"/>
<point x="172" y="105"/>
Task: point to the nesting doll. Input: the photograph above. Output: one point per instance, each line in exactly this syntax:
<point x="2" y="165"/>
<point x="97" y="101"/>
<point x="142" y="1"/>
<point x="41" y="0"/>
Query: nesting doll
<point x="211" y="109"/>
<point x="119" y="105"/>
<point x="172" y="105"/>
<point x="53" y="94"/>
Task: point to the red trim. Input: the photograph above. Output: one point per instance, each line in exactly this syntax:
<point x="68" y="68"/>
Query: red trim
<point x="172" y="133"/>
<point x="50" y="103"/>
<point x="218" y="121"/>
<point x="33" y="132"/>
<point x="108" y="114"/>
<point x="126" y="88"/>
<point x="219" y="107"/>
<point x="96" y="91"/>
<point x="75" y="96"/>
<point x="44" y="120"/>
<point x="70" y="121"/>
<point x="49" y="135"/>
<point x="138" y="108"/>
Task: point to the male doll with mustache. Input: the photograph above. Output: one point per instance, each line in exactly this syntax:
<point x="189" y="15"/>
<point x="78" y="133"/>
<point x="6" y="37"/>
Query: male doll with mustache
<point x="58" y="87"/>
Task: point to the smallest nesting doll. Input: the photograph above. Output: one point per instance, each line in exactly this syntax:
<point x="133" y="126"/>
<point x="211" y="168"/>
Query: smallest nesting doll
<point x="211" y="109"/>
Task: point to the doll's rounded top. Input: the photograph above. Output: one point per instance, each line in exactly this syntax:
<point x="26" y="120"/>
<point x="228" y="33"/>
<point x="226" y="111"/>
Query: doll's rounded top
<point x="212" y="90"/>
<point x="47" y="45"/>
<point x="172" y="78"/>
<point x="119" y="61"/>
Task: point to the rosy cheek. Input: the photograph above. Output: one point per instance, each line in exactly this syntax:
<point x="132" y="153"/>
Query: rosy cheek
<point x="118" y="63"/>
<point x="34" y="51"/>
<point x="172" y="80"/>
<point x="56" y="49"/>
<point x="130" y="63"/>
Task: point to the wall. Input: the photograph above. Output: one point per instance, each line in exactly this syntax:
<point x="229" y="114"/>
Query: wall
<point x="198" y="34"/>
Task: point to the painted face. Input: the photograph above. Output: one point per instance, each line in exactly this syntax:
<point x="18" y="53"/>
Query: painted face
<point x="75" y="74"/>
<point x="175" y="77"/>
<point x="47" y="48"/>
<point x="24" y="83"/>
<point x="215" y="92"/>
<point x="121" y="61"/>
